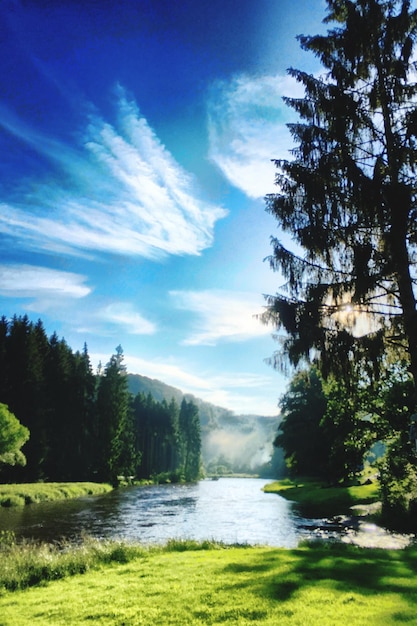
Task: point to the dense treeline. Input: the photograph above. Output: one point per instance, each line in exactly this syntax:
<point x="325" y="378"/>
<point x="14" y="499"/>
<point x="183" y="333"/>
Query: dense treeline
<point x="329" y="431"/>
<point x="87" y="426"/>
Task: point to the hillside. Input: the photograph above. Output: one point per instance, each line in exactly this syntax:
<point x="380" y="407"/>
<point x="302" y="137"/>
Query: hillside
<point x="240" y="442"/>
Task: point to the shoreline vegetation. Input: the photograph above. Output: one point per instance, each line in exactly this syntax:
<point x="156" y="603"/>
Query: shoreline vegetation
<point x="187" y="582"/>
<point x="32" y="493"/>
<point x="315" y="498"/>
<point x="22" y="494"/>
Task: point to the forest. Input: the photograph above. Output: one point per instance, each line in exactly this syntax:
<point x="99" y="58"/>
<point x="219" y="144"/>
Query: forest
<point x="60" y="421"/>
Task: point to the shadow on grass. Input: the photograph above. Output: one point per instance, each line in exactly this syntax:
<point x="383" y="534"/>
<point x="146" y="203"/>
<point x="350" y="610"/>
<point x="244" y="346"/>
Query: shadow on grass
<point x="278" y="575"/>
<point x="315" y="499"/>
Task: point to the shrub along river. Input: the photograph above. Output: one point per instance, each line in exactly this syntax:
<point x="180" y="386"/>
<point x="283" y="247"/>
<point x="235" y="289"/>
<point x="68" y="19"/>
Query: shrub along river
<point x="230" y="510"/>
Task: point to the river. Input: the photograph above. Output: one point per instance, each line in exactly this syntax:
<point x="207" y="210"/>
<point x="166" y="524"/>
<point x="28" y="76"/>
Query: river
<point x="231" y="510"/>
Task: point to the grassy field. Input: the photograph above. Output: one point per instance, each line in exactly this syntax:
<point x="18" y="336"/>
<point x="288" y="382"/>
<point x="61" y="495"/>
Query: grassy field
<point x="28" y="493"/>
<point x="187" y="584"/>
<point x="317" y="498"/>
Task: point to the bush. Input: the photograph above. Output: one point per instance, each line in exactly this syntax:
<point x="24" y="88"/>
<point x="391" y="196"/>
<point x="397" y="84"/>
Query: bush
<point x="166" y="478"/>
<point x="8" y="501"/>
<point x="398" y="480"/>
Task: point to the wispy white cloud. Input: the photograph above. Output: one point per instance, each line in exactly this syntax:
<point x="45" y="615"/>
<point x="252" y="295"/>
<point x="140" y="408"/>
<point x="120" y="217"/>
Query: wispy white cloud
<point x="221" y="315"/>
<point x="29" y="281"/>
<point x="122" y="192"/>
<point x="42" y="287"/>
<point x="124" y="316"/>
<point x="247" y="128"/>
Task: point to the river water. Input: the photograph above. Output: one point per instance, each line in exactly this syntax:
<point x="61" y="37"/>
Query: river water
<point x="231" y="510"/>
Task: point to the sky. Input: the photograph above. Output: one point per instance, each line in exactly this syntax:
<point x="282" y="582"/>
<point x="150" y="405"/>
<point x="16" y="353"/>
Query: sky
<point x="136" y="139"/>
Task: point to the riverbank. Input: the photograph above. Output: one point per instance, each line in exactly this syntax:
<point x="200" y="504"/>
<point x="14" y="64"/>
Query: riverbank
<point x="352" y="513"/>
<point x="317" y="499"/>
<point x="187" y="583"/>
<point x="30" y="493"/>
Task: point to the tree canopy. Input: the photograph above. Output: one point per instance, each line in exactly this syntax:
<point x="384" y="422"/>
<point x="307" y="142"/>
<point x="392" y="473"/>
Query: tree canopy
<point x="347" y="197"/>
<point x="84" y="426"/>
<point x="299" y="434"/>
<point x="13" y="435"/>
<point x="325" y="431"/>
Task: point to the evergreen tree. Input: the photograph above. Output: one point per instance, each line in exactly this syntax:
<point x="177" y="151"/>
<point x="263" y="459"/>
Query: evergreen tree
<point x="303" y="407"/>
<point x="84" y="394"/>
<point x="4" y="330"/>
<point x="114" y="427"/>
<point x="348" y="197"/>
<point x="156" y="425"/>
<point x="61" y="435"/>
<point x="71" y="399"/>
<point x="190" y="440"/>
<point x="25" y="392"/>
<point x="145" y="434"/>
<point x="172" y="441"/>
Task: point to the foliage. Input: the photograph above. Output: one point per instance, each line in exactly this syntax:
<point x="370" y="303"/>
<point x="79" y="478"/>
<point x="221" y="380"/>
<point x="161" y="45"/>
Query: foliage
<point x="84" y="426"/>
<point x="114" y="430"/>
<point x="347" y="430"/>
<point x="308" y="585"/>
<point x="398" y="477"/>
<point x="316" y="498"/>
<point x="189" y="441"/>
<point x="21" y="494"/>
<point x="12" y="437"/>
<point x="156" y="424"/>
<point x="391" y="405"/>
<point x="352" y="424"/>
<point x="324" y="431"/>
<point x="299" y="434"/>
<point x="348" y="196"/>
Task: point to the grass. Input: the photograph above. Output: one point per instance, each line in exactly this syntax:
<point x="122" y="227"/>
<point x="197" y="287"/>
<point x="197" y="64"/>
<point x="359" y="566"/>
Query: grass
<point x="317" y="499"/>
<point x="188" y="583"/>
<point x="28" y="493"/>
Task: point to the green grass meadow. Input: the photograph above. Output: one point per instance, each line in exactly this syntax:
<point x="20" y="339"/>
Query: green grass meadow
<point x="32" y="493"/>
<point x="182" y="584"/>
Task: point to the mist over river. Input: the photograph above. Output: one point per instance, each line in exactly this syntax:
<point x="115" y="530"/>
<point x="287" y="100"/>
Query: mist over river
<point x="231" y="510"/>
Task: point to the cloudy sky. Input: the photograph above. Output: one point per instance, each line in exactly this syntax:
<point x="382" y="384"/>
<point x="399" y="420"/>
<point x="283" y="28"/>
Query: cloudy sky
<point x="135" y="139"/>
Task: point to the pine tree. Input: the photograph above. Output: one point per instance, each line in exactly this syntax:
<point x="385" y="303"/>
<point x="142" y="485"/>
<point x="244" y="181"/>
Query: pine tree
<point x="114" y="427"/>
<point x="25" y="392"/>
<point x="348" y="196"/>
<point x="190" y="440"/>
<point x="303" y="407"/>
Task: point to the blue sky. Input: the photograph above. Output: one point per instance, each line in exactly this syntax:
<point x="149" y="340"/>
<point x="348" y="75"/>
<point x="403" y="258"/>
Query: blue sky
<point x="135" y="140"/>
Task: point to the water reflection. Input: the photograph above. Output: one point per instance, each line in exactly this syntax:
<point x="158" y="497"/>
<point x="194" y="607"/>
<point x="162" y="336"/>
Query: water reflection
<point x="230" y="510"/>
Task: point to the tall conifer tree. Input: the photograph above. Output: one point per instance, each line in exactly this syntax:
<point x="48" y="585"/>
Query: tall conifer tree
<point x="190" y="440"/>
<point x="114" y="426"/>
<point x="348" y="197"/>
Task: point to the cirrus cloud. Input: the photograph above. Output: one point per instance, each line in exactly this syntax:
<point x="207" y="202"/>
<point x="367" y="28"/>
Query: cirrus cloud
<point x="122" y="193"/>
<point x="247" y="129"/>
<point x="42" y="285"/>
<point x="124" y="315"/>
<point x="221" y="315"/>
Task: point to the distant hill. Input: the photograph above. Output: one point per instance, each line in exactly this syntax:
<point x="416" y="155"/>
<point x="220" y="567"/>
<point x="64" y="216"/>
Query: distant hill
<point x="242" y="442"/>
